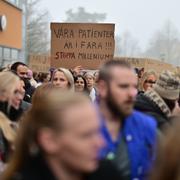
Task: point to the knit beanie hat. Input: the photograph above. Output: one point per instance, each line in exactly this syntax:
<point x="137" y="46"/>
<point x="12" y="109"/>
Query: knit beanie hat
<point x="167" y="86"/>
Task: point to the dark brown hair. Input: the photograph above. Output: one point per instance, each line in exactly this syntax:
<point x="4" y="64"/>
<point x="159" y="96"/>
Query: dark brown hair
<point x="106" y="70"/>
<point x="167" y="166"/>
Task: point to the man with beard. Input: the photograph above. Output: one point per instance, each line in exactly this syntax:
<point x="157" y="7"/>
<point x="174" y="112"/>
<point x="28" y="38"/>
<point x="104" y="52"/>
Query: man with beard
<point x="130" y="135"/>
<point x="21" y="70"/>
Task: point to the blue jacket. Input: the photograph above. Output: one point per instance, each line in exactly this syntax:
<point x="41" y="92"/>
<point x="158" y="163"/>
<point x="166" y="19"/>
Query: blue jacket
<point x="139" y="132"/>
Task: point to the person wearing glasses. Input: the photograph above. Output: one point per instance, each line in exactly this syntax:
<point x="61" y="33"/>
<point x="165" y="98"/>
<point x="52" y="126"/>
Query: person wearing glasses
<point x="147" y="80"/>
<point x="160" y="100"/>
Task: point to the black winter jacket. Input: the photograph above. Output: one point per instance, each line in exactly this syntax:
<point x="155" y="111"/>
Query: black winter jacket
<point x="37" y="169"/>
<point x="147" y="106"/>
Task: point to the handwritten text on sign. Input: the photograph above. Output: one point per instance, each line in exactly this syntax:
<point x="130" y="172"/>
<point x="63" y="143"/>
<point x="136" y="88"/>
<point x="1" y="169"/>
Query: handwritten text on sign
<point x="72" y="41"/>
<point x="39" y="63"/>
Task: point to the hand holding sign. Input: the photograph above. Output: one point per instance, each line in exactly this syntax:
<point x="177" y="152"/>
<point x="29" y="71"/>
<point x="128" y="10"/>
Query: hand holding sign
<point x="77" y="70"/>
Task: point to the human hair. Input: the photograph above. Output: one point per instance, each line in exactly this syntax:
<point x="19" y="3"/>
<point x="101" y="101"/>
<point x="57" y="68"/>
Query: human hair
<point x="89" y="73"/>
<point x="167" y="166"/>
<point x="2" y="69"/>
<point x="16" y="64"/>
<point x="35" y="76"/>
<point x="7" y="129"/>
<point x="96" y="72"/>
<point x="145" y="77"/>
<point x="85" y="83"/>
<point x="68" y="75"/>
<point x="43" y="76"/>
<point x="8" y="81"/>
<point x="42" y="114"/>
<point x="41" y="91"/>
<point x="105" y="72"/>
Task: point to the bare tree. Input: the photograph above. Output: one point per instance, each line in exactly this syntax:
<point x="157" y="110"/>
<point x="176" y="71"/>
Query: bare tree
<point x="165" y="44"/>
<point x="127" y="45"/>
<point x="117" y="46"/>
<point x="82" y="16"/>
<point x="36" y="28"/>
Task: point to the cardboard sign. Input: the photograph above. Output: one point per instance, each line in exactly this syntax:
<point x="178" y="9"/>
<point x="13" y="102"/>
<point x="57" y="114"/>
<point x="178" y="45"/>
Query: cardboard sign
<point x="85" y="44"/>
<point x="148" y="64"/>
<point x="135" y="62"/>
<point x="39" y="63"/>
<point x="158" y="66"/>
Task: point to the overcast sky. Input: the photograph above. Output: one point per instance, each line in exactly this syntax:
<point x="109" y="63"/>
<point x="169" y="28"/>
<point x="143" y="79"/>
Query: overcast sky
<point x="140" y="17"/>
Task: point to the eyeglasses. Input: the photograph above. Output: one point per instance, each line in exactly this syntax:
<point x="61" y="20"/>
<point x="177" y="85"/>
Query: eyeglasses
<point x="150" y="81"/>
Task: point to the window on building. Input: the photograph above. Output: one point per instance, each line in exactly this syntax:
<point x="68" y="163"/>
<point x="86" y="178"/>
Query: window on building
<point x="7" y="53"/>
<point x="1" y="54"/>
<point x="14" y="54"/>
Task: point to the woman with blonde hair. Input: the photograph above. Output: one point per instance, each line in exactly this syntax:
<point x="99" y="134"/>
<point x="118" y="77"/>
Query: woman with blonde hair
<point x="8" y="85"/>
<point x="63" y="79"/>
<point x="57" y="140"/>
<point x="7" y="137"/>
<point x="147" y="80"/>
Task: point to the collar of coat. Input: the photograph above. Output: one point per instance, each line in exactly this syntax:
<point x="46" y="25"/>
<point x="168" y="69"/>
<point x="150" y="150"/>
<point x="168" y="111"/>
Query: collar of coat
<point x="156" y="98"/>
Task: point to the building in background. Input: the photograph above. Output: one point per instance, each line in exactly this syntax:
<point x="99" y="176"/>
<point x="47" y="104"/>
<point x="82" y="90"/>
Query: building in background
<point x="11" y="31"/>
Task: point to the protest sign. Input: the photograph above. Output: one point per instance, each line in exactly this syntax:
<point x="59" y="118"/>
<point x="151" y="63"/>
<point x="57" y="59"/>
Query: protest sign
<point x="148" y="64"/>
<point x="39" y="63"/>
<point x="135" y="62"/>
<point x="158" y="66"/>
<point x="85" y="44"/>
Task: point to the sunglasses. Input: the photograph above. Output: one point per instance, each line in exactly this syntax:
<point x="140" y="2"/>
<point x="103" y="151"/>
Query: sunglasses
<point x="150" y="81"/>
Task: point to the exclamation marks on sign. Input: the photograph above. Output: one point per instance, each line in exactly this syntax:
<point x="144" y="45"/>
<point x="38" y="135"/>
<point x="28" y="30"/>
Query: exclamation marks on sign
<point x="108" y="45"/>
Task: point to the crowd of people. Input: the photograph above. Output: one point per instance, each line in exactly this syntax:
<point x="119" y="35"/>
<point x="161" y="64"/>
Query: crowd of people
<point x="73" y="124"/>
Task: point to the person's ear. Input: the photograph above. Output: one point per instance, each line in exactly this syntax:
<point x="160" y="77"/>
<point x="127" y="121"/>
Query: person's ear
<point x="47" y="138"/>
<point x="102" y="88"/>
